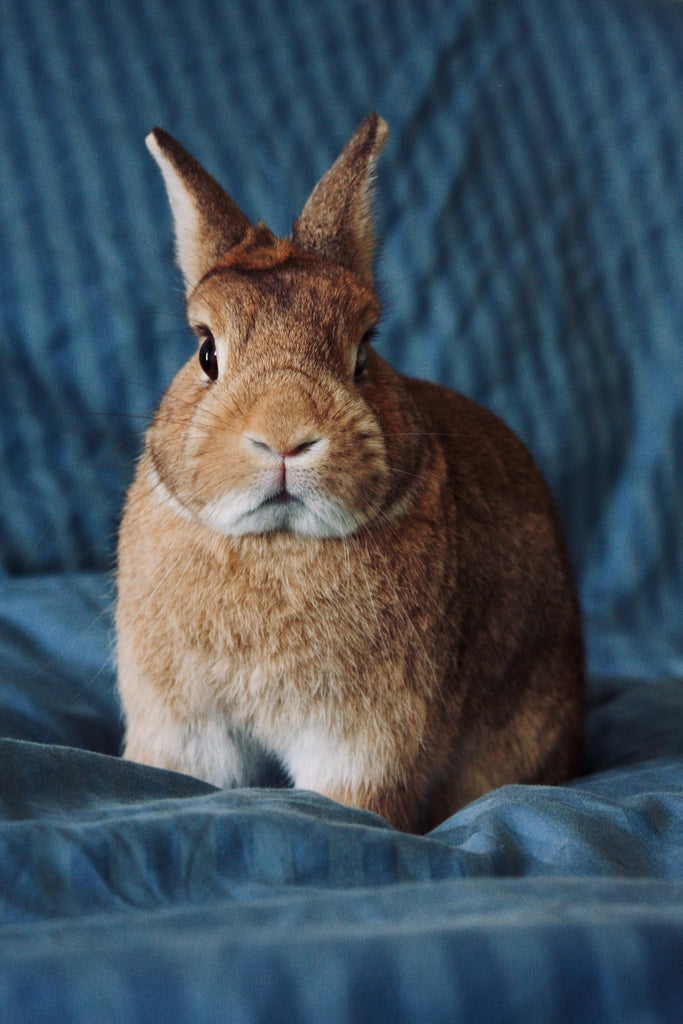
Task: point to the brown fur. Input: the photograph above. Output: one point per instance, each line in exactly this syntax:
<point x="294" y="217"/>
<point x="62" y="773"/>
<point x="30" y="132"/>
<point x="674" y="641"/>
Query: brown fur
<point x="428" y="652"/>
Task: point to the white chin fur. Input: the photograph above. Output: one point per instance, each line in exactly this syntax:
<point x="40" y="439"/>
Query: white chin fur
<point x="235" y="514"/>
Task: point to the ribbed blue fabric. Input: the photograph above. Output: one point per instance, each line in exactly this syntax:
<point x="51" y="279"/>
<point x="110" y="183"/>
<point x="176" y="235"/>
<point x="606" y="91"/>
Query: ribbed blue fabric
<point x="136" y="895"/>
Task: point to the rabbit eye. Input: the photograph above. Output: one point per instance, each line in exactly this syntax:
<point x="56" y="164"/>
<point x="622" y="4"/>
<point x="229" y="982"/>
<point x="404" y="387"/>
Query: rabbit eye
<point x="207" y="357"/>
<point x="361" y="360"/>
<point x="362" y="352"/>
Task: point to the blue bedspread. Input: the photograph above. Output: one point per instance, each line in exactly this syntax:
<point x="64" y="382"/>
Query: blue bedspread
<point x="530" y="213"/>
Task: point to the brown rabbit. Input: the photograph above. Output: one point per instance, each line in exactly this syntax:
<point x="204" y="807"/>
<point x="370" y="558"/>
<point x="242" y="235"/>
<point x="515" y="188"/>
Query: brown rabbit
<point x="360" y="574"/>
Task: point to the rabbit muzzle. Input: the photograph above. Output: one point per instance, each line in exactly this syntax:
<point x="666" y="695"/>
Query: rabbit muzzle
<point x="291" y="467"/>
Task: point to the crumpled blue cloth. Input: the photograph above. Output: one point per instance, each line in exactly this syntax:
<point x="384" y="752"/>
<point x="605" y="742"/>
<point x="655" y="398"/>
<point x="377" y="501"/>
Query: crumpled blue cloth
<point x="126" y="891"/>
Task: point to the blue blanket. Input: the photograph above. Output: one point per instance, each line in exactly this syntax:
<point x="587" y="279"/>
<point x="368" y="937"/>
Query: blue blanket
<point x="530" y="217"/>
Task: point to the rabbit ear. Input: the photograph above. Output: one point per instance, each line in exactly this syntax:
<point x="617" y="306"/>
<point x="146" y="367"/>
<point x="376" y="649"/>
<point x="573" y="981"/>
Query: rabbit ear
<point x="337" y="219"/>
<point x="207" y="222"/>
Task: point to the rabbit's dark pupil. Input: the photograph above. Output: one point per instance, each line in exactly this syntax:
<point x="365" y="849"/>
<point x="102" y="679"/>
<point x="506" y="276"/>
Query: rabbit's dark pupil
<point x="207" y="358"/>
<point x="361" y="359"/>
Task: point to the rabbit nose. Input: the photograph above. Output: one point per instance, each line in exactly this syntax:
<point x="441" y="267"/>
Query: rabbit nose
<point x="282" y="449"/>
<point x="284" y="423"/>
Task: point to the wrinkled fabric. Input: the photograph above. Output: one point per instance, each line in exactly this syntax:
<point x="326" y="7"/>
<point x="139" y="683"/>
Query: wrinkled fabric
<point x="127" y="891"/>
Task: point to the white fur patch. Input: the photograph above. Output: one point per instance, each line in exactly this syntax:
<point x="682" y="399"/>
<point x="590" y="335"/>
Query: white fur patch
<point x="238" y="513"/>
<point x="187" y="225"/>
<point x="164" y="496"/>
<point x="315" y="760"/>
<point x="209" y="749"/>
<point x="221" y="754"/>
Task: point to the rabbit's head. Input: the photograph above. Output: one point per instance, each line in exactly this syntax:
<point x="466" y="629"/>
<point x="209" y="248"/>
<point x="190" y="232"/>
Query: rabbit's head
<point x="286" y="420"/>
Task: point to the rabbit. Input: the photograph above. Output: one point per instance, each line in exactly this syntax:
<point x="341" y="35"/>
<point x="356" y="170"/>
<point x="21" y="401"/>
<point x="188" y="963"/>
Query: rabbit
<point x="358" y="574"/>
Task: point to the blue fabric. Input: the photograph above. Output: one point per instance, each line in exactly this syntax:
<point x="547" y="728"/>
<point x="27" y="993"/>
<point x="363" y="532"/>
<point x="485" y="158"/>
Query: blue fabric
<point x="530" y="217"/>
<point x="131" y="894"/>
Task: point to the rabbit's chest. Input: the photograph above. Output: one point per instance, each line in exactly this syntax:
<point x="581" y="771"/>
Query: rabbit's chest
<point x="274" y="631"/>
<point x="305" y="642"/>
<point x="274" y="644"/>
